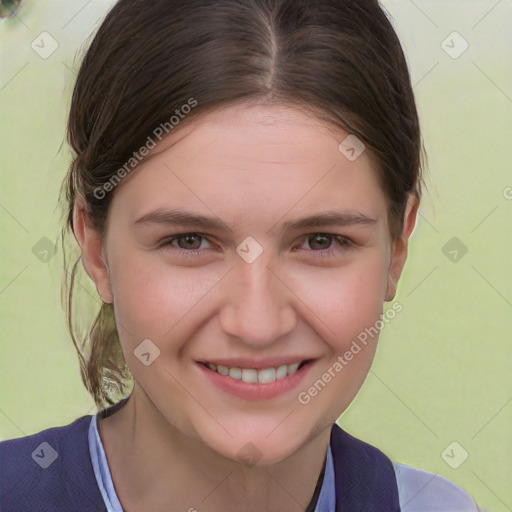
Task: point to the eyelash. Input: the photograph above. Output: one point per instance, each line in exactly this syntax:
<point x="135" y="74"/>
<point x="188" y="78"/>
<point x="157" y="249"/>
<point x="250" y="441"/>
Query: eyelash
<point x="343" y="243"/>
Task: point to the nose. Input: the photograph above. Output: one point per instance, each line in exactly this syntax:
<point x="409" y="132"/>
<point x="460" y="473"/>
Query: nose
<point x="259" y="306"/>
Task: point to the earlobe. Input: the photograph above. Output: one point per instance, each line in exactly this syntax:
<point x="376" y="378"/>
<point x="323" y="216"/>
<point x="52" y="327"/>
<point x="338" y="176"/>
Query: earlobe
<point x="400" y="246"/>
<point x="391" y="289"/>
<point x="93" y="251"/>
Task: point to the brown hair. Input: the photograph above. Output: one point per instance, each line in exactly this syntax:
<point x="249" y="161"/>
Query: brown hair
<point x="340" y="60"/>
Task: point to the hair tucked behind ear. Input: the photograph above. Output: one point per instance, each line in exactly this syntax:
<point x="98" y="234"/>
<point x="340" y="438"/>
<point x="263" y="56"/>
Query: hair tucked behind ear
<point x="340" y="60"/>
<point x="102" y="365"/>
<point x="106" y="368"/>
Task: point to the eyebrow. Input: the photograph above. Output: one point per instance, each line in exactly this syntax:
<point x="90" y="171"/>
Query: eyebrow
<point x="184" y="218"/>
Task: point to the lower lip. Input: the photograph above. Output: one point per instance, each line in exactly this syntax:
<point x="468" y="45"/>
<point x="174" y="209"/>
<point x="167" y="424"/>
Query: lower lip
<point x="256" y="391"/>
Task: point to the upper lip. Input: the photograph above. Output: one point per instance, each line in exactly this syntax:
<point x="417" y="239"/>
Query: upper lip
<point x="245" y="362"/>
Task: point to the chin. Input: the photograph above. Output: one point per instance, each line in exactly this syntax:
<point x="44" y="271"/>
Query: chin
<point x="262" y="444"/>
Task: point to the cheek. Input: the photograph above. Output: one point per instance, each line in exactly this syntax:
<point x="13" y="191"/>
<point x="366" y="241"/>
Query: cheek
<point x="345" y="300"/>
<point x="146" y="293"/>
<point x="155" y="300"/>
<point x="348" y="303"/>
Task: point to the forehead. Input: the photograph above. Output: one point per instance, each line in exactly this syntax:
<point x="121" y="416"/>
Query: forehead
<point x="253" y="161"/>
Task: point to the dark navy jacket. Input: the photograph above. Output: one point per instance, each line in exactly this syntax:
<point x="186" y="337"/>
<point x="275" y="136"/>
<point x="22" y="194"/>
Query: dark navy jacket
<point x="365" y="479"/>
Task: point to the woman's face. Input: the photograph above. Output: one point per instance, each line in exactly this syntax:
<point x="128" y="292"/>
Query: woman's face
<point x="254" y="285"/>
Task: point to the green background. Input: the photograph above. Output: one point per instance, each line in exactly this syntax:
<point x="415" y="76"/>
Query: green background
<point x="442" y="371"/>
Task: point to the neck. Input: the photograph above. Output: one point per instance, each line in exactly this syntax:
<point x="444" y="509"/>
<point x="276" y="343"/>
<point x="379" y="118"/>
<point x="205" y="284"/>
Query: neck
<point x="164" y="466"/>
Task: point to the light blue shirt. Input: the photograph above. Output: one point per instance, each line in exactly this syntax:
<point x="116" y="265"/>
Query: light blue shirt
<point x="419" y="491"/>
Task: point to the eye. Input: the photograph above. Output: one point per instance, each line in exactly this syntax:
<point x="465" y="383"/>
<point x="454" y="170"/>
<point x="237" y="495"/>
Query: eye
<point x="187" y="244"/>
<point x="319" y="242"/>
<point x="192" y="244"/>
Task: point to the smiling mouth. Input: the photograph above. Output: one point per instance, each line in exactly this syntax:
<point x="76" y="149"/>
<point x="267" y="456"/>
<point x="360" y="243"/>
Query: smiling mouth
<point x="253" y="376"/>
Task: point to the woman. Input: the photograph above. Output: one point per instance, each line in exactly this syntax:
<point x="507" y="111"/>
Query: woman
<point x="246" y="179"/>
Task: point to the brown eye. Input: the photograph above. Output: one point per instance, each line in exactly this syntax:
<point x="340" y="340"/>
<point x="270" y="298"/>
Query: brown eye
<point x="185" y="244"/>
<point x="320" y="241"/>
<point x="321" y="244"/>
<point x="189" y="241"/>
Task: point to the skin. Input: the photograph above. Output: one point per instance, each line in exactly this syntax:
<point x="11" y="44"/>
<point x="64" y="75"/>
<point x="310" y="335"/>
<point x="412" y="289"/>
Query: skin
<point x="253" y="167"/>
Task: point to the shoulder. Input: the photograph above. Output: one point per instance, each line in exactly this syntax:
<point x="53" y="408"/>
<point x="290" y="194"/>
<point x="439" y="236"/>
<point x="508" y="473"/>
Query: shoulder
<point x="49" y="470"/>
<point x="358" y="456"/>
<point x="364" y="476"/>
<point x="418" y="490"/>
<point x="422" y="491"/>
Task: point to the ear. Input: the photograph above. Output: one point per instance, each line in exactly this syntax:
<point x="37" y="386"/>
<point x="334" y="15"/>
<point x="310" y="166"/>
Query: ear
<point x="399" y="248"/>
<point x="93" y="251"/>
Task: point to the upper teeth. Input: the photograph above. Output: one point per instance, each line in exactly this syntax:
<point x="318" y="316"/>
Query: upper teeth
<point x="250" y="375"/>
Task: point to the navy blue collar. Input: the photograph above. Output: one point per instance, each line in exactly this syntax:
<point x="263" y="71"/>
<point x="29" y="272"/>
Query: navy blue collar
<point x="365" y="479"/>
